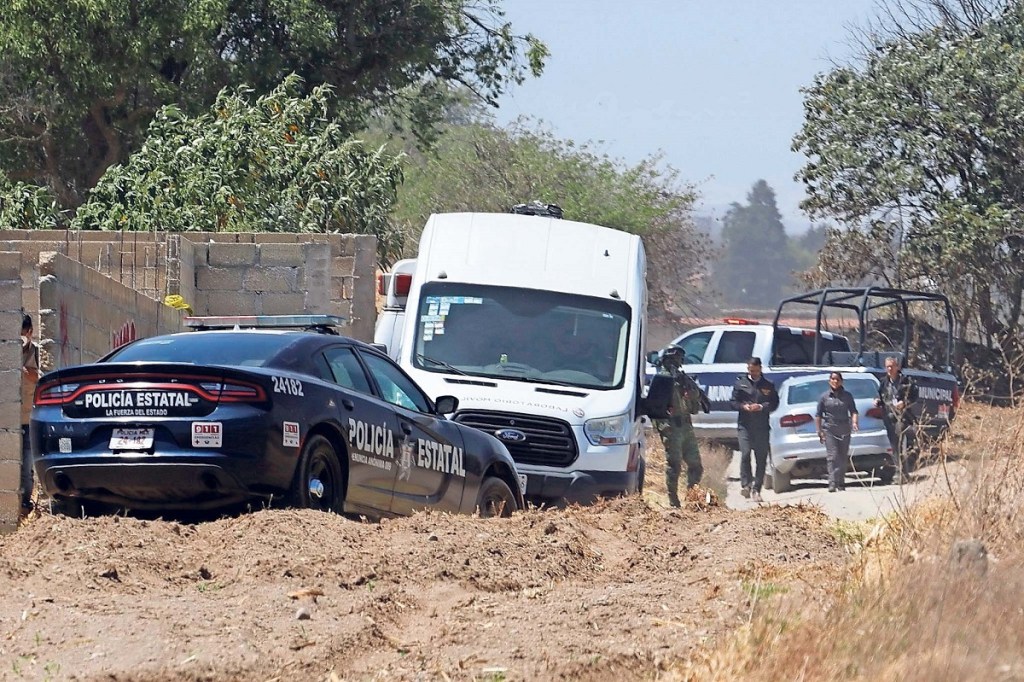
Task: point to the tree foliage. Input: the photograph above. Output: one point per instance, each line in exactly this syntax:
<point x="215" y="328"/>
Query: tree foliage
<point x="918" y="154"/>
<point x="81" y="79"/>
<point x="756" y="262"/>
<point x="273" y="163"/>
<point x="24" y="206"/>
<point x="477" y="166"/>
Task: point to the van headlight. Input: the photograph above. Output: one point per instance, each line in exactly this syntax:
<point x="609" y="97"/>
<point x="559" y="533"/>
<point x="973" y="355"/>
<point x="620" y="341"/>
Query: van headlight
<point x="608" y="430"/>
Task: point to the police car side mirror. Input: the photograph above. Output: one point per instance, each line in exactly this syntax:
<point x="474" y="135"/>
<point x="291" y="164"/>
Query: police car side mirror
<point x="659" y="397"/>
<point x="652" y="357"/>
<point x="446" y="404"/>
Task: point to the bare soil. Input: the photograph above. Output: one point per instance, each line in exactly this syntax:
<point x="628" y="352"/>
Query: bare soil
<point x="623" y="588"/>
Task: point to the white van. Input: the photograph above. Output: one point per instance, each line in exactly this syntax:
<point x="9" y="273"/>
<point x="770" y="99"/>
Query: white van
<point x="537" y="325"/>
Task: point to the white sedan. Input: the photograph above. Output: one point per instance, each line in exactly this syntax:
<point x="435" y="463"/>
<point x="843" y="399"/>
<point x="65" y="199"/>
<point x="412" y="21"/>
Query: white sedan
<point x="796" y="451"/>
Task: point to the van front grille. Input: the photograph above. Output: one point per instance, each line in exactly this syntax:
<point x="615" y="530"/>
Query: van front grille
<point x="549" y="442"/>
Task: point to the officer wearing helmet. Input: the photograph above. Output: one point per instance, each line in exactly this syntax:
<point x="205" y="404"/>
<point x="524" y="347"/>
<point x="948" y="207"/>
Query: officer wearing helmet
<point x="677" y="431"/>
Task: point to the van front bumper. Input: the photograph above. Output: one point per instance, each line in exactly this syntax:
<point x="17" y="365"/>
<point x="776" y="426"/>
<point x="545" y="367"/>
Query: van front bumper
<point x="578" y="487"/>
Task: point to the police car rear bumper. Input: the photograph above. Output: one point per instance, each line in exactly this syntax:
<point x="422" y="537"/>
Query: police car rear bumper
<point x="580" y="487"/>
<point x="171" y="486"/>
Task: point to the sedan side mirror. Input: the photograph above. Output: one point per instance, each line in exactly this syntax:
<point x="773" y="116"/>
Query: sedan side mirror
<point x="446" y="404"/>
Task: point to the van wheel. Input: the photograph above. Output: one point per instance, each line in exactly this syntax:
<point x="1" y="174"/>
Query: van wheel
<point x="319" y="482"/>
<point x="640" y="474"/>
<point x="495" y="499"/>
<point x="780" y="481"/>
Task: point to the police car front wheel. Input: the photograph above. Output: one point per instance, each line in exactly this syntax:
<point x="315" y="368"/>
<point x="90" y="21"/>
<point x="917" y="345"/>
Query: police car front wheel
<point x="495" y="499"/>
<point x="319" y="482"/>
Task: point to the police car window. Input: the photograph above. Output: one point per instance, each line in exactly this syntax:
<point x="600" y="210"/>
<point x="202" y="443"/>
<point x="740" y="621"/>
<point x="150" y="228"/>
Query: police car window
<point x="346" y="370"/>
<point x="735" y="347"/>
<point x="694" y="347"/>
<point x="395" y="387"/>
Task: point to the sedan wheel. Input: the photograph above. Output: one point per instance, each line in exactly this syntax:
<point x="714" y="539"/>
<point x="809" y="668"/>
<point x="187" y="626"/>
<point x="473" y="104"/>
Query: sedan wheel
<point x="495" y="499"/>
<point x="319" y="482"/>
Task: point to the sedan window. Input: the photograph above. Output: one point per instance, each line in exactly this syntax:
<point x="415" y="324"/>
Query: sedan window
<point x="346" y="369"/>
<point x="396" y="388"/>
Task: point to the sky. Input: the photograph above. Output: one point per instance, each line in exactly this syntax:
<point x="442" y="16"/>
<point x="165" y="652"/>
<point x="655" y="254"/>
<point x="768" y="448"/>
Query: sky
<point x="713" y="84"/>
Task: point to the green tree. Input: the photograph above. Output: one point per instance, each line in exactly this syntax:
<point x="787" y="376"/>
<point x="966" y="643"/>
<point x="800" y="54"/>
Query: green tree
<point x="917" y="152"/>
<point x="81" y="79"/>
<point x="756" y="263"/>
<point x="477" y="166"/>
<point x="269" y="164"/>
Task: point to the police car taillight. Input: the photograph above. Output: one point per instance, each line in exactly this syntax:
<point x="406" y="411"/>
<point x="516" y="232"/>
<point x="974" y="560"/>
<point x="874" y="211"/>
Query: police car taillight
<point x="232" y="392"/>
<point x="54" y="393"/>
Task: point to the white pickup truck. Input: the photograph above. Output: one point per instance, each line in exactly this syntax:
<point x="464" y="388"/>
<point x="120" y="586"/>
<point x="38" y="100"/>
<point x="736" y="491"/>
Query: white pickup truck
<point x="714" y="355"/>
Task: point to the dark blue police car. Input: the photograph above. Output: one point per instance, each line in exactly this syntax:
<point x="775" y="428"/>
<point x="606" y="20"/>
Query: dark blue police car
<point x="260" y="408"/>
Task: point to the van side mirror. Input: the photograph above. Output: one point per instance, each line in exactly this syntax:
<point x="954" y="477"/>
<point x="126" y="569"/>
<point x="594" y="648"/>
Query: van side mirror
<point x="446" y="404"/>
<point x="658" y="401"/>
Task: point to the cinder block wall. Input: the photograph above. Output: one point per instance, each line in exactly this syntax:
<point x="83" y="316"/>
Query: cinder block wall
<point x="10" y="389"/>
<point x="334" y="274"/>
<point x="84" y="313"/>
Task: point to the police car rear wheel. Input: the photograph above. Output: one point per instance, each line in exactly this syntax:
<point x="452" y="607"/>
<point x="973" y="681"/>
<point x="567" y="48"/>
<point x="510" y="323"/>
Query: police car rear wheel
<point x="495" y="499"/>
<point x="319" y="483"/>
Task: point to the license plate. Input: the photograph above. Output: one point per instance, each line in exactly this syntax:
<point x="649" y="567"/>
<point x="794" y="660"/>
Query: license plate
<point x="131" y="439"/>
<point x="522" y="483"/>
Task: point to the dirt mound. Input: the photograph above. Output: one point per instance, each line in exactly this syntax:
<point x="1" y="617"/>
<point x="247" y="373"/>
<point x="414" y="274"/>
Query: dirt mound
<point x="594" y="592"/>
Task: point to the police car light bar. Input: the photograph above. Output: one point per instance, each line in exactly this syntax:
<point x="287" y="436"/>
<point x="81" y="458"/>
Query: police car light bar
<point x="263" y="321"/>
<point x="739" y="320"/>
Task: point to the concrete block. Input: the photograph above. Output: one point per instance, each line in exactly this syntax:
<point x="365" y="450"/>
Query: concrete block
<point x="231" y="254"/>
<point x="277" y="237"/>
<point x="231" y="303"/>
<point x="10" y="506"/>
<point x="366" y="254"/>
<point x="10" y="452"/>
<point x="281" y="254"/>
<point x="10" y="384"/>
<point x="348" y="245"/>
<point x="10" y="265"/>
<point x="10" y="415"/>
<point x="276" y="279"/>
<point x="219" y="279"/>
<point x="10" y="322"/>
<point x="10" y="471"/>
<point x="10" y="354"/>
<point x="283" y="304"/>
<point x="10" y="295"/>
<point x="344" y="266"/>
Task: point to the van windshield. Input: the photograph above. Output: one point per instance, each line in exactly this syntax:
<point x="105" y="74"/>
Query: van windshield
<point x="522" y="334"/>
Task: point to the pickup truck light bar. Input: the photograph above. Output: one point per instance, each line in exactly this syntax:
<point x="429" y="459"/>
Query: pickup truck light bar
<point x="739" y="320"/>
<point x="324" y="323"/>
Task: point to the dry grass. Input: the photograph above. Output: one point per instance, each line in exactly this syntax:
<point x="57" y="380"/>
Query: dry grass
<point x="935" y="592"/>
<point x="714" y="458"/>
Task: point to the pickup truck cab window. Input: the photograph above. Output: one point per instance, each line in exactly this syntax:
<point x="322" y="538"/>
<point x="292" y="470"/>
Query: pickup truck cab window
<point x="695" y="346"/>
<point x="735" y="346"/>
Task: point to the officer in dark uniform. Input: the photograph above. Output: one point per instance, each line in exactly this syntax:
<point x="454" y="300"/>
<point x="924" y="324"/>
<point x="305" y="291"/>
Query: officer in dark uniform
<point x="677" y="431"/>
<point x="896" y="393"/>
<point x="754" y="398"/>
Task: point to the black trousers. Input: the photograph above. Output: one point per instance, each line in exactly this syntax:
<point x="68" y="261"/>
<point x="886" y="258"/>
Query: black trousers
<point x="753" y="439"/>
<point x="903" y="443"/>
